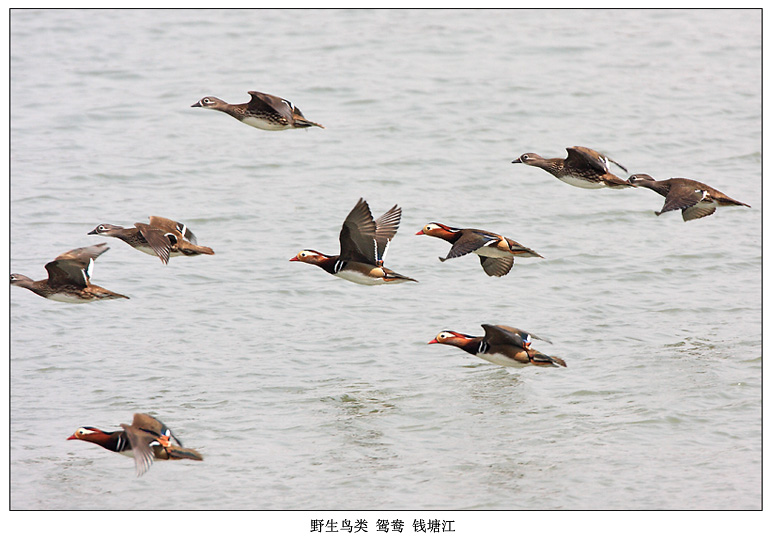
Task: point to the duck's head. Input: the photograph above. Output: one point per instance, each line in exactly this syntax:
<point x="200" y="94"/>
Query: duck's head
<point x="105" y="229"/>
<point x="16" y="278"/>
<point x="640" y="178"/>
<point x="92" y="434"/>
<point x="527" y="158"/>
<point x="310" y="256"/>
<point x="451" y="337"/>
<point x="210" y="102"/>
<point x="435" y="229"/>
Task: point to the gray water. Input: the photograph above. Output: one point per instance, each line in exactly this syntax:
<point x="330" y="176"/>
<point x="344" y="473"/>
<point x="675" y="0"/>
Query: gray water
<point x="304" y="391"/>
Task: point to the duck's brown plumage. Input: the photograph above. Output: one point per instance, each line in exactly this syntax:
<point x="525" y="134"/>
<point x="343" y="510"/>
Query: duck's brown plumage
<point x="263" y="111"/>
<point x="583" y="167"/>
<point x="693" y="198"/>
<point x="69" y="278"/>
<point x="160" y="236"/>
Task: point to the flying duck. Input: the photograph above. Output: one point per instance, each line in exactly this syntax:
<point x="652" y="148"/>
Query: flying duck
<point x="262" y="111"/>
<point x="695" y="199"/>
<point x="363" y="246"/>
<point x="162" y="237"/>
<point x="69" y="278"/>
<point x="147" y="438"/>
<point x="582" y="167"/>
<point x="502" y="345"/>
<point x="496" y="252"/>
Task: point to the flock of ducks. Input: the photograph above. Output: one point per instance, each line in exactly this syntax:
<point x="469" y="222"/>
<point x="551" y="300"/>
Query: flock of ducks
<point x="587" y="168"/>
<point x="364" y="242"/>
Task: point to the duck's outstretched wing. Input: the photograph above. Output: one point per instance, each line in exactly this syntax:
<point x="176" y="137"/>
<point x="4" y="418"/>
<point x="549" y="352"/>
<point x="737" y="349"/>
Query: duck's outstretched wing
<point x="272" y="104"/>
<point x="74" y="266"/>
<point x="158" y="239"/>
<point x="357" y="235"/>
<point x="172" y="226"/>
<point x="594" y="159"/>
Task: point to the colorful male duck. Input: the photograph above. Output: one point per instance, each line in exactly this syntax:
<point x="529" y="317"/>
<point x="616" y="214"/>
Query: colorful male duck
<point x="502" y="345"/>
<point x="496" y="252"/>
<point x="363" y="246"/>
<point x="147" y="438"/>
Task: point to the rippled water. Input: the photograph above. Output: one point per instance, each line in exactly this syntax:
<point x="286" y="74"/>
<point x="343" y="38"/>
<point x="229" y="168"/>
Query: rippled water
<point x="303" y="391"/>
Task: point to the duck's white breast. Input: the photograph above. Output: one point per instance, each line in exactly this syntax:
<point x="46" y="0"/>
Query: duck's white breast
<point x="500" y="359"/>
<point x="68" y="298"/>
<point x="581" y="183"/>
<point x="262" y="124"/>
<point x="359" y="278"/>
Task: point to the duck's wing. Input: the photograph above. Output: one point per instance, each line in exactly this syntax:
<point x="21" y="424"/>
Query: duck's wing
<point x="681" y="196"/>
<point x="595" y="155"/>
<point x="469" y="241"/>
<point x="524" y="334"/>
<point x="62" y="272"/>
<point x="266" y="102"/>
<point x="74" y="266"/>
<point x="698" y="211"/>
<point x="385" y="229"/>
<point x="497" y="267"/>
<point x="173" y="226"/>
<point x="140" y="444"/>
<point x="358" y="235"/>
<point x="84" y="254"/>
<point x="158" y="240"/>
<point x="154" y="426"/>
<point x="592" y="158"/>
<point x="502" y="335"/>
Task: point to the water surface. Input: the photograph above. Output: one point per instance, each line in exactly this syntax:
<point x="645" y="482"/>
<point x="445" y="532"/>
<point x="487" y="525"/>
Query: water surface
<point x="303" y="391"/>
